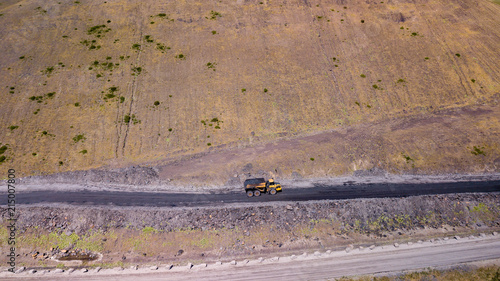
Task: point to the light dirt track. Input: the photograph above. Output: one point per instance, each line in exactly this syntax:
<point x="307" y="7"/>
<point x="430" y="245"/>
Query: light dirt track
<point x="385" y="259"/>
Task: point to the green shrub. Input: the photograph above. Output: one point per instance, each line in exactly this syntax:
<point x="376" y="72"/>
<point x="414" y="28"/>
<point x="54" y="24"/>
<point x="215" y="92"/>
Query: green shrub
<point x="78" y="138"/>
<point x="83" y="151"/>
<point x="156" y="103"/>
<point x="362" y="76"/>
<point x="13" y="127"/>
<point x="3" y="149"/>
<point x="478" y="150"/>
<point x="214" y="15"/>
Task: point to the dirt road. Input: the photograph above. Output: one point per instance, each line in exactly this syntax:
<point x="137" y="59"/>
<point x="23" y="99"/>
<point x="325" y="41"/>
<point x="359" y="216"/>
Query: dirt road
<point x="318" y="192"/>
<point x="319" y="266"/>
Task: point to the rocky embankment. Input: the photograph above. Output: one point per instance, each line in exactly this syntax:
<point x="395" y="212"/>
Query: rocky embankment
<point x="177" y="235"/>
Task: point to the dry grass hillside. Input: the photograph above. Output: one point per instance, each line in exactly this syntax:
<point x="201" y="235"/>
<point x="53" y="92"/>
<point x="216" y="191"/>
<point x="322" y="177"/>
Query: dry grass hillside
<point x="88" y="84"/>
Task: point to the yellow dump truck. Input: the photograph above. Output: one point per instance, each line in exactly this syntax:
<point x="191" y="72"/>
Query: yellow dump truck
<point x="256" y="186"/>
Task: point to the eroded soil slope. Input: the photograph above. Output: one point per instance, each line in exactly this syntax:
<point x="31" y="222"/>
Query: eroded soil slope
<point x="87" y="84"/>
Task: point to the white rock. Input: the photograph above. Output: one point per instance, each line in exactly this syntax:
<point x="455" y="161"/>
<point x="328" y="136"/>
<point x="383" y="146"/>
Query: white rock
<point x="169" y="266"/>
<point x="456" y="237"/>
<point x="21" y="269"/>
<point x="233" y="262"/>
<point x="260" y="259"/>
<point x="97" y="269"/>
<point x="189" y="265"/>
<point x="495" y="233"/>
<point x="317" y="253"/>
<point x="372" y="247"/>
<point x="84" y="270"/>
<point x="396" y="245"/>
<point x="410" y="243"/>
<point x="218" y="263"/>
<point x="245" y="261"/>
<point x="328" y="252"/>
<point x="293" y="257"/>
<point x="32" y="271"/>
<point x="154" y="267"/>
<point x="58" y="270"/>
<point x="70" y="270"/>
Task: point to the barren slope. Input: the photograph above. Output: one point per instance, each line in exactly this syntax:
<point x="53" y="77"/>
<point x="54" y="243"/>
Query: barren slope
<point x="238" y="72"/>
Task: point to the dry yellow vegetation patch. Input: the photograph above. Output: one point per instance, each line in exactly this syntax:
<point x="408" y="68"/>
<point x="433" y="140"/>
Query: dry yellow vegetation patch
<point x="93" y="83"/>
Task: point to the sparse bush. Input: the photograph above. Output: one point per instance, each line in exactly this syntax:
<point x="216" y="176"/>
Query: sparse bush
<point x="375" y="86"/>
<point x="243" y="90"/>
<point x="136" y="70"/>
<point x="48" y="70"/>
<point x="312" y="159"/>
<point x="362" y="76"/>
<point x="98" y="30"/>
<point x="473" y="80"/>
<point x="80" y="137"/>
<point x="122" y="99"/>
<point x="476" y="150"/>
<point x="458" y="55"/>
<point x="181" y="56"/>
<point x="156" y="103"/>
<point x="3" y="149"/>
<point x="13" y="127"/>
<point x="136" y="46"/>
<point x="83" y="151"/>
<point x="214" y="15"/>
<point x="214" y="32"/>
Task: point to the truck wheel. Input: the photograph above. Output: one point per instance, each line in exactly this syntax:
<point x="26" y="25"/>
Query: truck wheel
<point x="256" y="193"/>
<point x="272" y="191"/>
<point x="249" y="193"/>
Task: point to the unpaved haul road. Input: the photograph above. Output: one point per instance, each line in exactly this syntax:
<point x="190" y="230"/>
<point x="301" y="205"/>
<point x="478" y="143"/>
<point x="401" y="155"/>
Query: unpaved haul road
<point x="319" y="192"/>
<point x="380" y="260"/>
